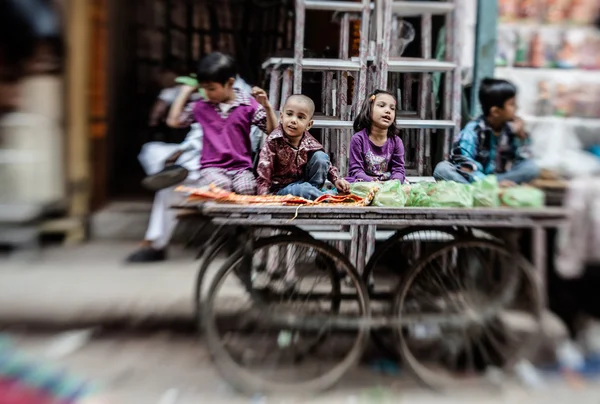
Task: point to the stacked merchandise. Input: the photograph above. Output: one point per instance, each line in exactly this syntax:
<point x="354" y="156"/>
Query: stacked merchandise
<point x="485" y="193"/>
<point x="550" y="49"/>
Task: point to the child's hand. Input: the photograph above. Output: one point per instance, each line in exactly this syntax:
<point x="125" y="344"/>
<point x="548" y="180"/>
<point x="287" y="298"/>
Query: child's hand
<point x="261" y="97"/>
<point x="518" y="127"/>
<point x="190" y="89"/>
<point x="342" y="185"/>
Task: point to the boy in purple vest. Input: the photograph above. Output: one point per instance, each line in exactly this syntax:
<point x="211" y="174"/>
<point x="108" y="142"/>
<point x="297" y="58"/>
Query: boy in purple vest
<point x="226" y="116"/>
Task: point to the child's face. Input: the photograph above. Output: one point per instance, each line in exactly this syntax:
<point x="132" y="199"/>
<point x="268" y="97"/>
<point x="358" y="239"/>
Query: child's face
<point x="296" y="118"/>
<point x="384" y="111"/>
<point x="508" y="112"/>
<point x="218" y="93"/>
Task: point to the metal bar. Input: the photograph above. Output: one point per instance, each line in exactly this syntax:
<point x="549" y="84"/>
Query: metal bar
<point x="341" y="6"/>
<point x="363" y="53"/>
<point x="417" y="8"/>
<point x="448" y="26"/>
<point x="354" y="233"/>
<point x="540" y="260"/>
<point x="545" y="213"/>
<point x="286" y="87"/>
<point x="315" y="64"/>
<point x="299" y="45"/>
<point x="424" y="89"/>
<point x="419" y="66"/>
<point x="441" y="223"/>
<point x="385" y="45"/>
<point x="370" y="239"/>
<point x="361" y="244"/>
<point x="275" y="87"/>
<point x="403" y="123"/>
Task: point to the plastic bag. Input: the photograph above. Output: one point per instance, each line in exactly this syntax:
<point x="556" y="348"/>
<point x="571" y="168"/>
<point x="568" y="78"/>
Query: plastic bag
<point x="363" y="189"/>
<point x="485" y="192"/>
<point x="390" y="194"/>
<point x="418" y="196"/>
<point x="522" y="197"/>
<point x="449" y="194"/>
<point x="403" y="33"/>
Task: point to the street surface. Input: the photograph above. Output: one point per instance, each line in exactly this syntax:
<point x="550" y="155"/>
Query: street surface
<point x="71" y="288"/>
<point x="165" y="367"/>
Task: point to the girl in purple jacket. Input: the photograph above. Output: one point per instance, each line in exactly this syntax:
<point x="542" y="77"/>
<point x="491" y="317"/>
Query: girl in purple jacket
<point x="376" y="150"/>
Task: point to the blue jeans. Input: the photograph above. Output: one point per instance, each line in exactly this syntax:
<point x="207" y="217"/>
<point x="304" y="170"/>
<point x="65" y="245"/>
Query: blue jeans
<point x="315" y="175"/>
<point x="522" y="172"/>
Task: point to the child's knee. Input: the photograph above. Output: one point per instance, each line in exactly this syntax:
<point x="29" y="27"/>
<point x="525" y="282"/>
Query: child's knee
<point x="531" y="169"/>
<point x="245" y="184"/>
<point x="320" y="160"/>
<point x="443" y="170"/>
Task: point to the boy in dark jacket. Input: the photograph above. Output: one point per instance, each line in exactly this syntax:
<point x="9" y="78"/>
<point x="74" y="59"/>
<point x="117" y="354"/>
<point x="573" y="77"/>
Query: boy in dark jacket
<point x="492" y="143"/>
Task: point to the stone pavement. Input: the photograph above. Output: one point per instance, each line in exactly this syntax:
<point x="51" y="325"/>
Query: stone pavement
<point x="91" y="284"/>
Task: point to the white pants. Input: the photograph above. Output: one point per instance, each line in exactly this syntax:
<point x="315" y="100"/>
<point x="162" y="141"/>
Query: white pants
<point x="162" y="218"/>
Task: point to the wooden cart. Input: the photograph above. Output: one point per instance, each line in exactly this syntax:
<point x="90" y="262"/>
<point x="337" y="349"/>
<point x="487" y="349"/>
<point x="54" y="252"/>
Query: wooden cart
<point x="448" y="291"/>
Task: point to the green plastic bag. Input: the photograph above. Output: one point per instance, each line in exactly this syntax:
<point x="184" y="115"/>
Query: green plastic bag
<point x="418" y="196"/>
<point x="449" y="194"/>
<point x="390" y="194"/>
<point x="486" y="192"/>
<point x="190" y="81"/>
<point x="363" y="189"/>
<point x="522" y="197"/>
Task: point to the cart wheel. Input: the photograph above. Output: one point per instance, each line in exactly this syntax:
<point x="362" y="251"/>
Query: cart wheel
<point x="390" y="262"/>
<point x="270" y="331"/>
<point x="468" y="306"/>
<point x="212" y="250"/>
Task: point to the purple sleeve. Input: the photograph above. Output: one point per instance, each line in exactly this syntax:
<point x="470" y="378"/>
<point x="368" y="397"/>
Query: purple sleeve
<point x="397" y="161"/>
<point x="356" y="164"/>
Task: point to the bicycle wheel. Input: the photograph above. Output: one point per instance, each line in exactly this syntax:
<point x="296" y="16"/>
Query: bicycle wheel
<point x="463" y="309"/>
<point x="275" y="334"/>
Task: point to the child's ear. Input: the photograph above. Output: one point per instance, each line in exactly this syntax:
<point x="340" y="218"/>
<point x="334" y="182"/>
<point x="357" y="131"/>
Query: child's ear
<point x="494" y="111"/>
<point x="230" y="82"/>
<point x="310" y="124"/>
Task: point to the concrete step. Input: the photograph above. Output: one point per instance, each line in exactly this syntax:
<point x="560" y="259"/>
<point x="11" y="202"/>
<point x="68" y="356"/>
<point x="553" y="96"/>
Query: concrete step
<point x="121" y="221"/>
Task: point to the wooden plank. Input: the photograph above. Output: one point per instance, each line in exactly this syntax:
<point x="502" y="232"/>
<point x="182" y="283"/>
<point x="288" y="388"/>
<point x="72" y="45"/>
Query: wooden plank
<point x="78" y="80"/>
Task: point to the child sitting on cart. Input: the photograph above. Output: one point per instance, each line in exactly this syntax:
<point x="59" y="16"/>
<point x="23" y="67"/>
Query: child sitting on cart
<point x="226" y="116"/>
<point x="376" y="150"/>
<point x="492" y="143"/>
<point x="292" y="162"/>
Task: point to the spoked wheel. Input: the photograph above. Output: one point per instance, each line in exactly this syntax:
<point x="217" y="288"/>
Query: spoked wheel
<point x="217" y="243"/>
<point x="268" y="317"/>
<point x="468" y="306"/>
<point x="389" y="264"/>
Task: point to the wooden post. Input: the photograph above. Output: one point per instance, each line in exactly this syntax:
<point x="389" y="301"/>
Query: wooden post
<point x="77" y="117"/>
